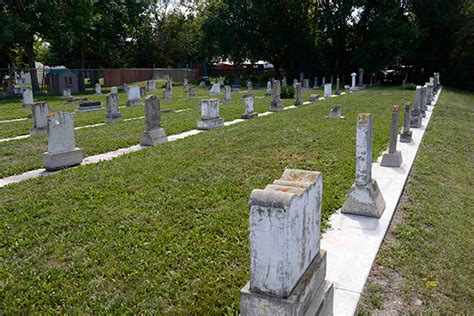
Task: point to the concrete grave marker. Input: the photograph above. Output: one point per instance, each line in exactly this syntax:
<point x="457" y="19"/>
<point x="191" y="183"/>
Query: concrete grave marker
<point x="295" y="82"/>
<point x="192" y="92"/>
<point x="113" y="90"/>
<point x="269" y="88"/>
<point x="287" y="266"/>
<point x="276" y="104"/>
<point x="315" y="86"/>
<point x="323" y="82"/>
<point x="306" y="84"/>
<point x="249" y="112"/>
<point x="151" y="85"/>
<point x="331" y="80"/>
<point x="221" y="81"/>
<point x="394" y="157"/>
<point x="424" y="98"/>
<point x="154" y="134"/>
<point x="28" y="98"/>
<point x="166" y="94"/>
<point x="185" y="82"/>
<point x="298" y="95"/>
<point x="216" y="89"/>
<point x="361" y="77"/>
<point x="301" y="77"/>
<point x="98" y="89"/>
<point x="62" y="151"/>
<point x="227" y="94"/>
<point x="210" y="115"/>
<point x="202" y="84"/>
<point x="364" y="197"/>
<point x="335" y="112"/>
<point x="327" y="90"/>
<point x="133" y="96"/>
<point x="142" y="92"/>
<point x="40" y="113"/>
<point x="415" y="121"/>
<point x="353" y="86"/>
<point x="249" y="87"/>
<point x="112" y="110"/>
<point x="338" y="86"/>
<point x="284" y="82"/>
<point x="66" y="94"/>
<point x="125" y="88"/>
<point x="406" y="134"/>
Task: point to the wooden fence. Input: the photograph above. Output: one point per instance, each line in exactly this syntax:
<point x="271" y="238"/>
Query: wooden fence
<point x="117" y="77"/>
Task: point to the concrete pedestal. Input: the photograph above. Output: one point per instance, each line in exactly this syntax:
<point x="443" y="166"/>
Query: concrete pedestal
<point x="392" y="159"/>
<point x="113" y="117"/>
<point x="207" y="124"/>
<point x="56" y="161"/>
<point x="153" y="137"/>
<point x="415" y="121"/>
<point x="276" y="106"/>
<point x="247" y="116"/>
<point x="406" y="137"/>
<point x="366" y="200"/>
<point x="312" y="295"/>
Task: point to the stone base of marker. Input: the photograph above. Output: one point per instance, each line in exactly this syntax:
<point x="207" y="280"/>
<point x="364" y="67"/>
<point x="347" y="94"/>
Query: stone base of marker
<point x="312" y="295"/>
<point x="415" y="121"/>
<point x="38" y="131"/>
<point x="314" y="97"/>
<point x="113" y="117"/>
<point x="364" y="200"/>
<point x="276" y="106"/>
<point x="134" y="102"/>
<point x="207" y="124"/>
<point x="406" y="137"/>
<point x="247" y="116"/>
<point x="57" y="161"/>
<point x="154" y="137"/>
<point x="392" y="159"/>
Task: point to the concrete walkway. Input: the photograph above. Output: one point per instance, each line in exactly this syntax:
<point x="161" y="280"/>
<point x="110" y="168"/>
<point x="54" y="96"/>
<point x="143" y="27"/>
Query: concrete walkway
<point x="353" y="241"/>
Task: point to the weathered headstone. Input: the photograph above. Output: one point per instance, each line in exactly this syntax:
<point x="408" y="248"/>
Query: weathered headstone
<point x="40" y="113"/>
<point x="306" y="84"/>
<point x="166" y="94"/>
<point x="315" y="86"/>
<point x="89" y="106"/>
<point x="62" y="151"/>
<point x="276" y="104"/>
<point x="202" y="84"/>
<point x="287" y="265"/>
<point x="227" y="94"/>
<point x="406" y="134"/>
<point x="298" y="95"/>
<point x="133" y="96"/>
<point x="416" y="118"/>
<point x="353" y="86"/>
<point x="429" y="94"/>
<point x="151" y="85"/>
<point x="192" y="92"/>
<point x="28" y="98"/>
<point x="314" y="97"/>
<point x="113" y="90"/>
<point x="338" y="86"/>
<point x="361" y="77"/>
<point x="394" y="157"/>
<point x="154" y="134"/>
<point x="335" y="112"/>
<point x="295" y="82"/>
<point x="249" y="112"/>
<point x="221" y="81"/>
<point x="331" y="80"/>
<point x="125" y="88"/>
<point x="365" y="197"/>
<point x="269" y="88"/>
<point x="142" y="92"/>
<point x="323" y="81"/>
<point x="98" y="89"/>
<point x="327" y="90"/>
<point x="185" y="82"/>
<point x="423" y="106"/>
<point x="284" y="82"/>
<point x="112" y="110"/>
<point x="66" y="94"/>
<point x="210" y="115"/>
<point x="216" y="89"/>
<point x="249" y="87"/>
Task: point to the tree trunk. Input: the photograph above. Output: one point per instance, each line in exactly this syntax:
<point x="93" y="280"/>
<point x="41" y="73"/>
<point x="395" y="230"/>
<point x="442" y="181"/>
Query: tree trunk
<point x="31" y="63"/>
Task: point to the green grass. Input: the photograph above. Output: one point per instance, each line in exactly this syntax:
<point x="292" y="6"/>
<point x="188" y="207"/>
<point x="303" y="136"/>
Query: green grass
<point x="432" y="250"/>
<point x="165" y="229"/>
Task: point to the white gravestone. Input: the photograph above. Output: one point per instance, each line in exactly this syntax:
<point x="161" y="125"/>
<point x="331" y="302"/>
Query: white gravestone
<point x="269" y="88"/>
<point x="287" y="266"/>
<point x="114" y="90"/>
<point x="424" y="99"/>
<point x="249" y="87"/>
<point x="221" y="81"/>
<point x="210" y="115"/>
<point x="284" y="82"/>
<point x="295" y="82"/>
<point x="364" y="197"/>
<point x="394" y="157"/>
<point x="338" y="86"/>
<point x="353" y="83"/>
<point x="185" y="82"/>
<point x="276" y="104"/>
<point x="27" y="98"/>
<point x="151" y="85"/>
<point x="62" y="151"/>
<point x="216" y="89"/>
<point x="306" y="84"/>
<point x="133" y="96"/>
<point x="98" y="89"/>
<point x="298" y="95"/>
<point x="227" y="94"/>
<point x="66" y="94"/>
<point x="112" y="110"/>
<point x="153" y="134"/>
<point x="40" y="113"/>
<point x="249" y="112"/>
<point x="327" y="90"/>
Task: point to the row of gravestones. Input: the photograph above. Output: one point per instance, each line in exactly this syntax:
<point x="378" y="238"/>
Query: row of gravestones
<point x="287" y="266"/>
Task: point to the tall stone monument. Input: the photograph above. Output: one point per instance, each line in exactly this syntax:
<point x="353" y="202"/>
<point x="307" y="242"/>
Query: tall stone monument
<point x="276" y="104"/>
<point x="112" y="110"/>
<point x="153" y="134"/>
<point x="394" y="157"/>
<point x="364" y="197"/>
<point x="416" y="118"/>
<point x="298" y="95"/>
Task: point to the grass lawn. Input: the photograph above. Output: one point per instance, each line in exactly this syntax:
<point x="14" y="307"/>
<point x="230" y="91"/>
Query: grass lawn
<point x="165" y="229"/>
<point x="426" y="263"/>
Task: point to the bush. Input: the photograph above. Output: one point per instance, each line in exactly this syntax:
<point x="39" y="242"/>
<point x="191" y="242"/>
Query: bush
<point x="287" y="92"/>
<point x="410" y="86"/>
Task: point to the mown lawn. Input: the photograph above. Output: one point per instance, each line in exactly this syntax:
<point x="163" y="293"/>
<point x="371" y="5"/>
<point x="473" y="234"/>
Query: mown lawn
<point x="427" y="263"/>
<point x="166" y="229"/>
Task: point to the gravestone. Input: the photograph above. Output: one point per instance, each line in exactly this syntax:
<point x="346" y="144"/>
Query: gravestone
<point x="315" y="86"/>
<point x="210" y="115"/>
<point x="249" y="87"/>
<point x="423" y="106"/>
<point x="125" y="88"/>
<point x="331" y="80"/>
<point x="323" y="81"/>
<point x="113" y="90"/>
<point x="361" y="77"/>
<point x="249" y="112"/>
<point x="66" y="94"/>
<point x="112" y="110"/>
<point x="151" y="85"/>
<point x="62" y="151"/>
<point x="227" y="94"/>
<point x="169" y="84"/>
<point x="216" y="89"/>
<point x="298" y="96"/>
<point x="166" y="94"/>
<point x="338" y="86"/>
<point x="154" y="134"/>
<point x="284" y="82"/>
<point x="394" y="157"/>
<point x="429" y="94"/>
<point x="269" y="88"/>
<point x="185" y="82"/>
<point x="314" y="97"/>
<point x="404" y="83"/>
<point x="327" y="90"/>
<point x="287" y="265"/>
<point x="192" y="92"/>
<point x="353" y="86"/>
<point x="98" y="89"/>
<point x="416" y="118"/>
<point x="364" y="197"/>
<point x="202" y="84"/>
<point x="406" y="134"/>
<point x="40" y="113"/>
<point x="133" y="96"/>
<point x="142" y="92"/>
<point x="276" y="104"/>
<point x="89" y="106"/>
<point x="221" y="81"/>
<point x="335" y="112"/>
<point x="306" y="84"/>
<point x="236" y="83"/>
<point x="27" y="98"/>
<point x="295" y="82"/>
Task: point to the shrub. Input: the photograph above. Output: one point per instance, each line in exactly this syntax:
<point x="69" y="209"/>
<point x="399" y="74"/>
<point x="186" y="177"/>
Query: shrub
<point x="287" y="92"/>
<point x="410" y="86"/>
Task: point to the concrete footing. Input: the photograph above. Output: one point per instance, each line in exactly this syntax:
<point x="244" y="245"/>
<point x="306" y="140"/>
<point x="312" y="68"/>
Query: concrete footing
<point x="366" y="200"/>
<point x="406" y="137"/>
<point x="247" y="116"/>
<point x="392" y="159"/>
<point x="207" y="124"/>
<point x="114" y="117"/>
<point x="56" y="161"/>
<point x="153" y="137"/>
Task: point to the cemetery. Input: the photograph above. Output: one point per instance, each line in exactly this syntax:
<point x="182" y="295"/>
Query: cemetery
<point x="265" y="192"/>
